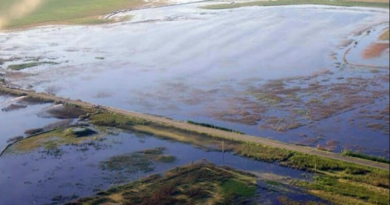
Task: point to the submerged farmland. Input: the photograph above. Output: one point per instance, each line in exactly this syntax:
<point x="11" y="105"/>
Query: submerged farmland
<point x="313" y="78"/>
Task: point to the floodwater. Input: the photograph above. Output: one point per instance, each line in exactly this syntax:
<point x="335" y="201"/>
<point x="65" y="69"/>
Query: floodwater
<point x="210" y="66"/>
<point x="259" y="70"/>
<point x="41" y="178"/>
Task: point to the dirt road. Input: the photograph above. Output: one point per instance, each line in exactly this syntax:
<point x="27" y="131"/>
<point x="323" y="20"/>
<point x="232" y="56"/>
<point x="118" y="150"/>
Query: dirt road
<point x="210" y="131"/>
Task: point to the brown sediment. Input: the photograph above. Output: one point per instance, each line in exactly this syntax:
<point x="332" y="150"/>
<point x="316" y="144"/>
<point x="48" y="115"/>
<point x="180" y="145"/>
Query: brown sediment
<point x="66" y="112"/>
<point x="377" y="120"/>
<point x="13" y="107"/>
<point x="240" y="110"/>
<point x="346" y="43"/>
<point x="238" y="116"/>
<point x="308" y="141"/>
<point x="375" y="50"/>
<point x="312" y="101"/>
<point x="15" y="75"/>
<point x="384" y="36"/>
<point x="330" y="145"/>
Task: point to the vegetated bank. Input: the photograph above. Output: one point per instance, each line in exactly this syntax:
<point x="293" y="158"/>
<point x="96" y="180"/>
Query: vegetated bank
<point x="337" y="181"/>
<point x="365" y="156"/>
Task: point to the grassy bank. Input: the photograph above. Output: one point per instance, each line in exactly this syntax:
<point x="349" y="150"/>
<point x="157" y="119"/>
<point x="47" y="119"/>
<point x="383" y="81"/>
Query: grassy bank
<point x="65" y="12"/>
<point x="365" y="156"/>
<point x="195" y="184"/>
<point x="378" y="4"/>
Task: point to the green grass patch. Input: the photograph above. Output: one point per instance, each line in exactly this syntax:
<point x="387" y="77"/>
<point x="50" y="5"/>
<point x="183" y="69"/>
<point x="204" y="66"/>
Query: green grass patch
<point x="67" y="12"/>
<point x="262" y="153"/>
<point x="115" y="120"/>
<point x="365" y="156"/>
<point x="299" y="2"/>
<point x="23" y="66"/>
<point x="348" y="189"/>
<point x="272" y="182"/>
<point x="238" y="188"/>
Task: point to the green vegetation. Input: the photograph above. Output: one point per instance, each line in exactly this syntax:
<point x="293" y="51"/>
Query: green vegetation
<point x="195" y="184"/>
<point x="137" y="161"/>
<point x="351" y="178"/>
<point x="50" y="140"/>
<point x="197" y="139"/>
<point x="262" y="153"/>
<point x="237" y="188"/>
<point x="346" y="189"/>
<point x="297" y="2"/>
<point x="272" y="183"/>
<point x="365" y="156"/>
<point x="23" y="66"/>
<point x="214" y="126"/>
<point x="115" y="120"/>
<point x="67" y="12"/>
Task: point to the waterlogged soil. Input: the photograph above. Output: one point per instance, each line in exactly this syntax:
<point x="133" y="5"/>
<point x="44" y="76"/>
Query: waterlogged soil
<point x="77" y="170"/>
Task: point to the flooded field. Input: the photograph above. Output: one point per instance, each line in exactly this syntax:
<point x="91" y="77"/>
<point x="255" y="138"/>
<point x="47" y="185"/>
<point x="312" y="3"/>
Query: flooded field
<point x="241" y="76"/>
<point x="310" y="75"/>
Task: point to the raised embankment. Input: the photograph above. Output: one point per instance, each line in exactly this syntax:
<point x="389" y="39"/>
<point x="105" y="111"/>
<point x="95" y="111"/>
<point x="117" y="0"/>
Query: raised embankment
<point x="199" y="129"/>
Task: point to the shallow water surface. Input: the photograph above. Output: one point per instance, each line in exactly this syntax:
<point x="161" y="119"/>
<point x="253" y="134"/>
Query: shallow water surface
<point x="189" y="63"/>
<point x="14" y="123"/>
